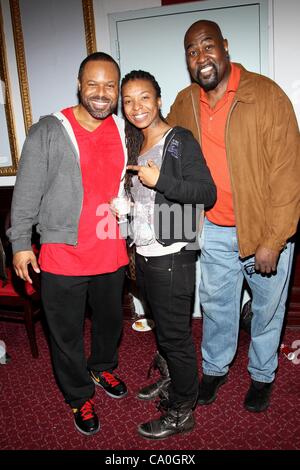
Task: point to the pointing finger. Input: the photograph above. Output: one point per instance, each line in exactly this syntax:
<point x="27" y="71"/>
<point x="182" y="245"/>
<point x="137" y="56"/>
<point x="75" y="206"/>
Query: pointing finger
<point x="134" y="167"/>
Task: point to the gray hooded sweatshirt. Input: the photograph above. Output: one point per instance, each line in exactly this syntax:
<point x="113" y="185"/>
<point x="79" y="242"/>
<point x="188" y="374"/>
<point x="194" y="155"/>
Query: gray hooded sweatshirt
<point x="48" y="190"/>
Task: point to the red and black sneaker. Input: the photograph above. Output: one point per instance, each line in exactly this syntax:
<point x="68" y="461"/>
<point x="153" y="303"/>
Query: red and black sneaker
<point x="85" y="419"/>
<point x="113" y="386"/>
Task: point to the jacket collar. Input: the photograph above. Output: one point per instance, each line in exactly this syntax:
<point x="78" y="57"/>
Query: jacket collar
<point x="245" y="91"/>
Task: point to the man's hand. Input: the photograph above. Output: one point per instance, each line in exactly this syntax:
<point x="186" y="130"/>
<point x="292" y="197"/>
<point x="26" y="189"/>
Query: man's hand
<point x="21" y="260"/>
<point x="266" y="260"/>
<point x="148" y="175"/>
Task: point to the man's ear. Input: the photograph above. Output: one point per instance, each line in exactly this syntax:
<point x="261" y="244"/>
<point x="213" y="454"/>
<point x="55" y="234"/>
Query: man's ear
<point x="225" y="44"/>
<point x="79" y="85"/>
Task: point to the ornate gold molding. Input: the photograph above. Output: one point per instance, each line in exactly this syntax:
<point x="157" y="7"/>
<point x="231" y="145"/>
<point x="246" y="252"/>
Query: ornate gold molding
<point x="4" y="75"/>
<point x="21" y="62"/>
<point x="89" y="26"/>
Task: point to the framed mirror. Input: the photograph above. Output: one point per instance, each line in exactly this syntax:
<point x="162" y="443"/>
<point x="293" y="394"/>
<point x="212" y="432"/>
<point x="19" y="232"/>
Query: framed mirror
<point x="8" y="143"/>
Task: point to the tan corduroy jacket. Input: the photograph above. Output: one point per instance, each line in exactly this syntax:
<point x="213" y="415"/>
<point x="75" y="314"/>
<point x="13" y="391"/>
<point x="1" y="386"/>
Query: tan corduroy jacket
<point x="263" y="153"/>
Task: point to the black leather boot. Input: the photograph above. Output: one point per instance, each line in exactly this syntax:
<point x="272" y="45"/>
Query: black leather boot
<point x="208" y="388"/>
<point x="258" y="396"/>
<point x="178" y="419"/>
<point x="152" y="391"/>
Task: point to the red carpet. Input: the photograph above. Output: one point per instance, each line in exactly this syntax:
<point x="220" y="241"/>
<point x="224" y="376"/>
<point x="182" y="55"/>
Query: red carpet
<point x="33" y="414"/>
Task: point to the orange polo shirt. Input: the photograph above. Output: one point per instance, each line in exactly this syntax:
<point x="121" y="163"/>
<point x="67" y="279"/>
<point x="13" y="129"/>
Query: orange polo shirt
<point x="213" y="123"/>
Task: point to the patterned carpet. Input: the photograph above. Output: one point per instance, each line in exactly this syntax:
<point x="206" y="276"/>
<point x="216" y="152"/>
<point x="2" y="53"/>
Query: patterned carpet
<point x="34" y="416"/>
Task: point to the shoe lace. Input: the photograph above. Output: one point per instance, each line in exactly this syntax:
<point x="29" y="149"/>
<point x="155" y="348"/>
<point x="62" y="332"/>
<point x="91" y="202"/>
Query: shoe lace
<point x="87" y="410"/>
<point x="153" y="365"/>
<point x="110" y="379"/>
<point x="162" y="405"/>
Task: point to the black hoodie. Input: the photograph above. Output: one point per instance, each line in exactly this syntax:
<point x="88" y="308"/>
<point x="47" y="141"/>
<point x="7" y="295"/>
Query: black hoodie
<point x="184" y="188"/>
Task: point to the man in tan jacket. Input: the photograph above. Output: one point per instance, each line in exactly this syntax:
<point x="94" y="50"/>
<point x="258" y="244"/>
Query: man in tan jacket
<point x="250" y="139"/>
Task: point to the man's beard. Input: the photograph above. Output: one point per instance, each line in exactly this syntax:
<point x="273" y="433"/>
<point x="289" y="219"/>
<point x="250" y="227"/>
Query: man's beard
<point x="209" y="83"/>
<point x="97" y="113"/>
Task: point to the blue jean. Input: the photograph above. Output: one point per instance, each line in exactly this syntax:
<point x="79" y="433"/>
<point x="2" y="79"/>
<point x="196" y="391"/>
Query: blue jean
<point x="222" y="276"/>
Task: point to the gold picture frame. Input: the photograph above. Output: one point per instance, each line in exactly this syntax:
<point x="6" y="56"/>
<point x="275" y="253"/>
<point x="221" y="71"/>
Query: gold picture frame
<point x="89" y="26"/>
<point x="21" y="62"/>
<point x="90" y="39"/>
<point x="8" y="163"/>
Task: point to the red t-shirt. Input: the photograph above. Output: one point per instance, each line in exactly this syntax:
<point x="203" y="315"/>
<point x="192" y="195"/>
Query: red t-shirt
<point x="100" y="248"/>
<point x="213" y="123"/>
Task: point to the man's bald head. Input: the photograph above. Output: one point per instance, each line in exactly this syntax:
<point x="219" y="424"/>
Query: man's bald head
<point x="202" y="23"/>
<point x="207" y="55"/>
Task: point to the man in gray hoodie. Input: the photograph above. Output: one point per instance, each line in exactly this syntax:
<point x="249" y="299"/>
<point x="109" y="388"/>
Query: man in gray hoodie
<point x="64" y="187"/>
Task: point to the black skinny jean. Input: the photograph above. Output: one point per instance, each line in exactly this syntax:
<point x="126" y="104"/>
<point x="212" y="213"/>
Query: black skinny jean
<point x="167" y="283"/>
<point x="64" y="300"/>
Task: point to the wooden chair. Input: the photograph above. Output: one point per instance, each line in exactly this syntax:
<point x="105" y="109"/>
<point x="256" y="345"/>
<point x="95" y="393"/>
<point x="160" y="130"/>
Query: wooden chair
<point x="20" y="301"/>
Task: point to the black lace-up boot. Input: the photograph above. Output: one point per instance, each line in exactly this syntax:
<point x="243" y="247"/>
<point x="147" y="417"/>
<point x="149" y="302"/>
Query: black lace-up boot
<point x="177" y="419"/>
<point x="152" y="391"/>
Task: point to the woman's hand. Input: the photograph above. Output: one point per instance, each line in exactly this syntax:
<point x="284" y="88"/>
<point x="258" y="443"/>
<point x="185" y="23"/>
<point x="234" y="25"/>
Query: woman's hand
<point x="148" y="175"/>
